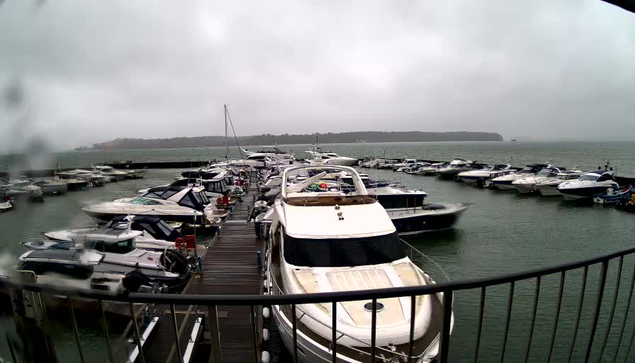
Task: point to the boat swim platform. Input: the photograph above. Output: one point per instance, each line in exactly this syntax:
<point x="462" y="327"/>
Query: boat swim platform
<point x="230" y="267"/>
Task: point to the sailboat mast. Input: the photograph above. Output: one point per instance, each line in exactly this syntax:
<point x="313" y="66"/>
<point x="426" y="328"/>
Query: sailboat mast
<point x="226" y="135"/>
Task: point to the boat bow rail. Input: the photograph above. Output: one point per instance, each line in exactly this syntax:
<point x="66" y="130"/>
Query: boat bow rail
<point x="599" y="309"/>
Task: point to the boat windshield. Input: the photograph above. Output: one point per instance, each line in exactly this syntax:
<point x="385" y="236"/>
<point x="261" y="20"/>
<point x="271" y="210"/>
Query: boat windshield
<point x="589" y="177"/>
<point x="544" y="172"/>
<point x="344" y="252"/>
<point x="144" y="201"/>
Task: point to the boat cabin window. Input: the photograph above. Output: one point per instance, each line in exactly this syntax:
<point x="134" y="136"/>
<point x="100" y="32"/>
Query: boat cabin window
<point x="144" y="201"/>
<point x="257" y="157"/>
<point x="217" y="187"/>
<point x="119" y="247"/>
<point x="605" y="177"/>
<point x="342" y="252"/>
<point x="67" y="269"/>
<point x="390" y="201"/>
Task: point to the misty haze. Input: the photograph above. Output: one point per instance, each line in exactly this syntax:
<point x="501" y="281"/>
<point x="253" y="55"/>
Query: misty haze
<point x="317" y="181"/>
<point x="77" y="73"/>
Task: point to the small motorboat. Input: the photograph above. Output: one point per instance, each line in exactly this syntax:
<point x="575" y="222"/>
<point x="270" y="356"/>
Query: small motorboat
<point x="81" y="269"/>
<point x="613" y="196"/>
<point x="529" y="185"/>
<point x="111" y="172"/>
<point x="457" y="166"/>
<point x="480" y="177"/>
<point x="71" y="180"/>
<point x="504" y="182"/>
<point x="18" y="189"/>
<point x="52" y="187"/>
<point x="432" y="169"/>
<point x="6" y="205"/>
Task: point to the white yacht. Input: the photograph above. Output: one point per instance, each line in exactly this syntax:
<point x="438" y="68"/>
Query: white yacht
<point x="504" y="182"/>
<point x="405" y="163"/>
<point x="172" y="205"/>
<point x="432" y="169"/>
<point x="322" y="240"/>
<point x="549" y="187"/>
<point x="6" y="205"/>
<point x="330" y="158"/>
<point x="529" y="185"/>
<point x="482" y="175"/>
<point x="455" y="167"/>
<point x="150" y="233"/>
<point x="111" y="172"/>
<point x="588" y="185"/>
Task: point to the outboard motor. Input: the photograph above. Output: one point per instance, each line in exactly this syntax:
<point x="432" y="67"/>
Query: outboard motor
<point x="177" y="263"/>
<point x="134" y="280"/>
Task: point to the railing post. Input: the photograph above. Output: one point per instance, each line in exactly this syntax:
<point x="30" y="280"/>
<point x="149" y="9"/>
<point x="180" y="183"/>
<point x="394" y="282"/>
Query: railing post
<point x="176" y="333"/>
<point x="558" y="306"/>
<point x="628" y="306"/>
<point x="508" y="319"/>
<point x="580" y="305"/>
<point x="533" y="317"/>
<point x="617" y="290"/>
<point x="334" y="332"/>
<point x="373" y="331"/>
<point x="137" y="332"/>
<point x="598" y="305"/>
<point x="481" y="310"/>
<point x="448" y="296"/>
<point x="75" y="329"/>
<point x="413" y="308"/>
<point x="254" y="336"/>
<point x="106" y="334"/>
<point x="294" y="325"/>
<point x="214" y="331"/>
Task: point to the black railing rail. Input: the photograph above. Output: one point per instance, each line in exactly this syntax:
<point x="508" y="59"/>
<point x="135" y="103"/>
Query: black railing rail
<point x="595" y="344"/>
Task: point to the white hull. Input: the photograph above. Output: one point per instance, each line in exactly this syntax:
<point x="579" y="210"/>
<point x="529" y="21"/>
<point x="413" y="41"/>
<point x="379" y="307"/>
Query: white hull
<point x="525" y="188"/>
<point x="54" y="188"/>
<point x="549" y="190"/>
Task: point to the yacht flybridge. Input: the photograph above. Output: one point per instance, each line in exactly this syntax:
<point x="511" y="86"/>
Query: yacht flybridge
<point x="326" y="239"/>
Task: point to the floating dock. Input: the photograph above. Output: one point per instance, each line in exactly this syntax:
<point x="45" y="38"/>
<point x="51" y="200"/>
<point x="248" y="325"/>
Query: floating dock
<point x="230" y="267"/>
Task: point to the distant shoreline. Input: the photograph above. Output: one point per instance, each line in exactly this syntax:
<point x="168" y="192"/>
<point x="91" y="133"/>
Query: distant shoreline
<point x="286" y="139"/>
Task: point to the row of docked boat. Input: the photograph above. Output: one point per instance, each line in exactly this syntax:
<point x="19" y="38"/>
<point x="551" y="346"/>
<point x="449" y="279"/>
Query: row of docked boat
<point x="12" y="190"/>
<point x="538" y="179"/>
<point x="146" y="242"/>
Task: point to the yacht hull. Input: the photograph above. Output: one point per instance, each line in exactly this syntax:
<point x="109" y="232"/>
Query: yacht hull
<point x="54" y="188"/>
<point x="108" y="216"/>
<point x="549" y="190"/>
<point x="409" y="223"/>
<point x="525" y="188"/>
<point x="582" y="193"/>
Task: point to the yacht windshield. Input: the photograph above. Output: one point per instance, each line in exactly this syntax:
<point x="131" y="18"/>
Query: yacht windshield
<point x="589" y="177"/>
<point x="342" y="252"/>
<point x="544" y="172"/>
<point x="144" y="201"/>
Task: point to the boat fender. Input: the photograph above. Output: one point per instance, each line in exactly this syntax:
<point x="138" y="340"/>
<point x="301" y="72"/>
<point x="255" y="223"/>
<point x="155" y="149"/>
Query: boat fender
<point x="265" y="358"/>
<point x="266" y="313"/>
<point x="265" y="334"/>
<point x="179" y="243"/>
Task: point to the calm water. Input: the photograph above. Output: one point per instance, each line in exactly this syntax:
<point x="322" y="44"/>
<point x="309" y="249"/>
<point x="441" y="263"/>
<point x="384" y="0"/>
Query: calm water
<point x="503" y="232"/>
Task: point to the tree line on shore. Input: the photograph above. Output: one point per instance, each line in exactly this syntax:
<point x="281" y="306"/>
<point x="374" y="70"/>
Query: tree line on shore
<point x="268" y="139"/>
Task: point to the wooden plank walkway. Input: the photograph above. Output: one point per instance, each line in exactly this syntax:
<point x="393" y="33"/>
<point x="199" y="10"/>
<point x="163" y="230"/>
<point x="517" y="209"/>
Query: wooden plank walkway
<point x="230" y="267"/>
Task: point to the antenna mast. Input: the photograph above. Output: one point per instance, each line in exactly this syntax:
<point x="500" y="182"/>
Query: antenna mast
<point x="226" y="136"/>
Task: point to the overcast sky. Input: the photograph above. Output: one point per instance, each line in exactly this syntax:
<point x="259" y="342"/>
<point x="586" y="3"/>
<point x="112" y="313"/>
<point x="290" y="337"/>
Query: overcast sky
<point x="77" y="72"/>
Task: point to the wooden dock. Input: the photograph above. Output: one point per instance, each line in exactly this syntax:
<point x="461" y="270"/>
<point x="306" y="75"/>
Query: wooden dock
<point x="230" y="267"/>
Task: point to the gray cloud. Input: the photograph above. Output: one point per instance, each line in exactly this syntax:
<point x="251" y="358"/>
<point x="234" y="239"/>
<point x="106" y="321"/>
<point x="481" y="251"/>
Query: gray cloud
<point x="93" y="71"/>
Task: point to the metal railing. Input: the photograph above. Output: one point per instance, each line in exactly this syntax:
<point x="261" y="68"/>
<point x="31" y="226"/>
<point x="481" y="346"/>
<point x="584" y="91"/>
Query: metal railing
<point x="592" y="297"/>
